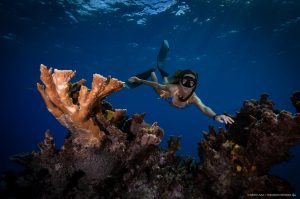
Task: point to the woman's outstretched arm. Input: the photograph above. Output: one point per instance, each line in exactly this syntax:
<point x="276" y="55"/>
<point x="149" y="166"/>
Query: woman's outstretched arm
<point x="209" y="112"/>
<point x="149" y="83"/>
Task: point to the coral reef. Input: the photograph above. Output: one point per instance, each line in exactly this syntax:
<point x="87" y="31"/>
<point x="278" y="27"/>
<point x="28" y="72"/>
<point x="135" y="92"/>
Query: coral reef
<point x="237" y="162"/>
<point x="108" y="154"/>
<point x="295" y="98"/>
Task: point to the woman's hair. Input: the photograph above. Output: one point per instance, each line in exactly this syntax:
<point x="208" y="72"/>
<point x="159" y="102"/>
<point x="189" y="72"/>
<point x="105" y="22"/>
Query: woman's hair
<point x="176" y="77"/>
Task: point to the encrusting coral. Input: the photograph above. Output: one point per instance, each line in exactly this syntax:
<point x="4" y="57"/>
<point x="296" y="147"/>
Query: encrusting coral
<point x="108" y="154"/>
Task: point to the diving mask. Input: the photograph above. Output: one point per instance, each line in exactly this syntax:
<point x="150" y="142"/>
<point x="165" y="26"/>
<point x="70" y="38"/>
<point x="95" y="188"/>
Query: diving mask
<point x="188" y="81"/>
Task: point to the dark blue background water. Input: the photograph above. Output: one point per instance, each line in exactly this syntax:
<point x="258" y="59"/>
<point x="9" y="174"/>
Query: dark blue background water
<point x="239" y="48"/>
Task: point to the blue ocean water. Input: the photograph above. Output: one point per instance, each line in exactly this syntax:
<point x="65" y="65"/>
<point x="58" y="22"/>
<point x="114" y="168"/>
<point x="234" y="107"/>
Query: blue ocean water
<point x="239" y="48"/>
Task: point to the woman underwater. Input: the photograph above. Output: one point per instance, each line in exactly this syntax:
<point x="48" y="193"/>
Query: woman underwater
<point x="179" y="89"/>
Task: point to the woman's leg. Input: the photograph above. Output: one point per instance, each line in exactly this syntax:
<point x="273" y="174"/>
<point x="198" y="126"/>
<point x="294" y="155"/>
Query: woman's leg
<point x="154" y="78"/>
<point x="165" y="79"/>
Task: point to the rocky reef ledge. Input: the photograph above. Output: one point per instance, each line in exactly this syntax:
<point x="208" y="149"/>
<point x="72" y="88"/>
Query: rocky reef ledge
<point x="108" y="154"/>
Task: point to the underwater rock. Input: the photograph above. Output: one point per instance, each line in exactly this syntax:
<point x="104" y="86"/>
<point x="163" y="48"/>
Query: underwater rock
<point x="108" y="154"/>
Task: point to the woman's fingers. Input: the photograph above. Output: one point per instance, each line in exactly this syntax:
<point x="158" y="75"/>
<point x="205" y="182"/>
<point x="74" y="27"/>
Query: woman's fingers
<point x="225" y="119"/>
<point x="232" y="121"/>
<point x="228" y="120"/>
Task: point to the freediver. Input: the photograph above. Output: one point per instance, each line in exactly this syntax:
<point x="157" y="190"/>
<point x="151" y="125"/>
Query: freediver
<point x="178" y="89"/>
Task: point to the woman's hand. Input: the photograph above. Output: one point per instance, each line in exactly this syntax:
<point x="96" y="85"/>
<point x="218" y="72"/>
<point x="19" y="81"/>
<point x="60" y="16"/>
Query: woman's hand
<point x="224" y="118"/>
<point x="164" y="94"/>
<point x="134" y="79"/>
